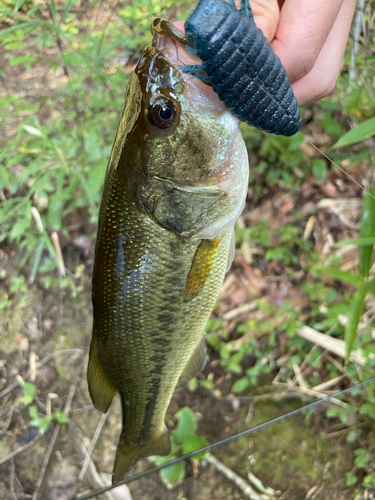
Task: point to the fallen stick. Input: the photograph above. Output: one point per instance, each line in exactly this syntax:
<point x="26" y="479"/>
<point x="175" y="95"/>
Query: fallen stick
<point x="21" y="449"/>
<point x="336" y="346"/>
<point x="237" y="480"/>
<point x="93" y="478"/>
<point x="96" y="435"/>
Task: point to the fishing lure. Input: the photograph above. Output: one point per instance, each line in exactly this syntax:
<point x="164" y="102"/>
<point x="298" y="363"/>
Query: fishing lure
<point x="241" y="66"/>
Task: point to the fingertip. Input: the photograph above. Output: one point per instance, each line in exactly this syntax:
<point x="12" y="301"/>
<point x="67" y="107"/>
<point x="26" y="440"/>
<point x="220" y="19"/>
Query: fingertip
<point x="180" y="25"/>
<point x="266" y="16"/>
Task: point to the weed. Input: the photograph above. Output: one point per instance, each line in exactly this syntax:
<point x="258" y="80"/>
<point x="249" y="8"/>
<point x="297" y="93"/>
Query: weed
<point x="184" y="440"/>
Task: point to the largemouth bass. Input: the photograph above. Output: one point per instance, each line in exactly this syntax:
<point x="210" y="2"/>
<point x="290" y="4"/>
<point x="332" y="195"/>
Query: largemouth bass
<point x="175" y="184"/>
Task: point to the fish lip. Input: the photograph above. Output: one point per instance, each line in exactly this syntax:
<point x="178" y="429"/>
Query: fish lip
<point x="173" y="44"/>
<point x="161" y="27"/>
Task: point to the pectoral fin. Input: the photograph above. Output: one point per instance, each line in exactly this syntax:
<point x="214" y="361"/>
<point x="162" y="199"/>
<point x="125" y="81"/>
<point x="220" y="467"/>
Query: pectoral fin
<point x="196" y="361"/>
<point x="101" y="390"/>
<point x="232" y="250"/>
<point x="201" y="267"/>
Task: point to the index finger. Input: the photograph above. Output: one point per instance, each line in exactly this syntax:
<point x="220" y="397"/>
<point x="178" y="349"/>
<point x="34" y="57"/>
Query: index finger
<point x="303" y="28"/>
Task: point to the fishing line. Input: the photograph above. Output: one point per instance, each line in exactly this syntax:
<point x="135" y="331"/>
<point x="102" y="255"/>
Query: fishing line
<point x="136" y="477"/>
<point x="333" y="163"/>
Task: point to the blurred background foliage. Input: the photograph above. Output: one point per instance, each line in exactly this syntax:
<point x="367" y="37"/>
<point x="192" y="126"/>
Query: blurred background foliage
<point x="64" y="67"/>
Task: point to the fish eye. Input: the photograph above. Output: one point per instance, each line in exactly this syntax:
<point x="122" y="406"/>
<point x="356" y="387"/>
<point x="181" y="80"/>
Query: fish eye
<point x="163" y="114"/>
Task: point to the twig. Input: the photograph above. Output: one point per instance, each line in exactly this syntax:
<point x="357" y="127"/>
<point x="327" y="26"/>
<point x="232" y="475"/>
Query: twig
<point x="11" y="479"/>
<point x="237" y="480"/>
<point x="244" y="308"/>
<point x="42" y="362"/>
<point x="56" y="431"/>
<point x="92" y="477"/>
<point x="329" y="383"/>
<point x="82" y="410"/>
<point x="8" y="421"/>
<point x="32" y="365"/>
<point x="96" y="435"/>
<point x="60" y="260"/>
<point x="299" y="377"/>
<point x="331" y="344"/>
<point x="259" y="485"/>
<point x="21" y="449"/>
<point x="315" y="394"/>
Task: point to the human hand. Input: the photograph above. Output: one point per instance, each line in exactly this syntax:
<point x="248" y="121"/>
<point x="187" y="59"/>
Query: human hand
<point x="309" y="37"/>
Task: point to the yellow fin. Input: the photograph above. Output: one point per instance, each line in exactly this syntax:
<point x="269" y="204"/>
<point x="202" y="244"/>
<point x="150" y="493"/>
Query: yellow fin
<point x="101" y="390"/>
<point x="196" y="361"/>
<point x="203" y="261"/>
<point x="232" y="251"/>
<point x="129" y="453"/>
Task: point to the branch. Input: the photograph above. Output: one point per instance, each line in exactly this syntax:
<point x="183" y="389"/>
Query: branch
<point x="237" y="480"/>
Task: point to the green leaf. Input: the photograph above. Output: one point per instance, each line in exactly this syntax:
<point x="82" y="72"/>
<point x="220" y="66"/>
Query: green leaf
<point x="355" y="313"/>
<point x="173" y="474"/>
<point x="68" y="6"/>
<point x="367" y="408"/>
<point x="33" y="412"/>
<point x="361" y="458"/>
<point x="19" y="4"/>
<point x="367" y="229"/>
<point x="332" y="412"/>
<point x="29" y="391"/>
<point x="38" y="256"/>
<point x="19" y="26"/>
<point x="361" y="242"/>
<point x="319" y="169"/>
<point x="353" y="279"/>
<point x="18" y="60"/>
<point x="351" y="478"/>
<point x="352" y="436"/>
<point x="42" y="423"/>
<point x="363" y="131"/>
<point x="187" y="424"/>
<point x="60" y="416"/>
<point x="331" y="126"/>
<point x="240" y="385"/>
<point x="19" y="228"/>
<point x="193" y="443"/>
<point x="53" y="11"/>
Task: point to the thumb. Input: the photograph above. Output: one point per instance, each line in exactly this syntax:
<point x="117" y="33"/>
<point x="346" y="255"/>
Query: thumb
<point x="266" y="16"/>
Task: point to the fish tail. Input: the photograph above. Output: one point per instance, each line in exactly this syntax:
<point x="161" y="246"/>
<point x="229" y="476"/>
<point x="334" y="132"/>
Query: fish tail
<point x="128" y="453"/>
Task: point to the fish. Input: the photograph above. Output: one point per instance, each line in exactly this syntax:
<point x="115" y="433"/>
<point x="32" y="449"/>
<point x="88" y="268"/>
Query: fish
<point x="176" y="182"/>
<point x="241" y="66"/>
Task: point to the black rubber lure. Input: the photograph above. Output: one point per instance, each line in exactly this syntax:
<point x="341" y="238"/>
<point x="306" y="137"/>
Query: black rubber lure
<point x="241" y="66"/>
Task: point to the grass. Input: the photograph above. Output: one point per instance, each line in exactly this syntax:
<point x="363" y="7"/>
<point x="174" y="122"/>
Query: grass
<point x="63" y="74"/>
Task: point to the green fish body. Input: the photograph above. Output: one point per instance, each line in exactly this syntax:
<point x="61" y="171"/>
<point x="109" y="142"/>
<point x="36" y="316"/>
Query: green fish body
<point x="175" y="184"/>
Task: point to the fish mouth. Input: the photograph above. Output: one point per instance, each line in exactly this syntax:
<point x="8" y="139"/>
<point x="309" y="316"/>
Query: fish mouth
<point x="174" y="45"/>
